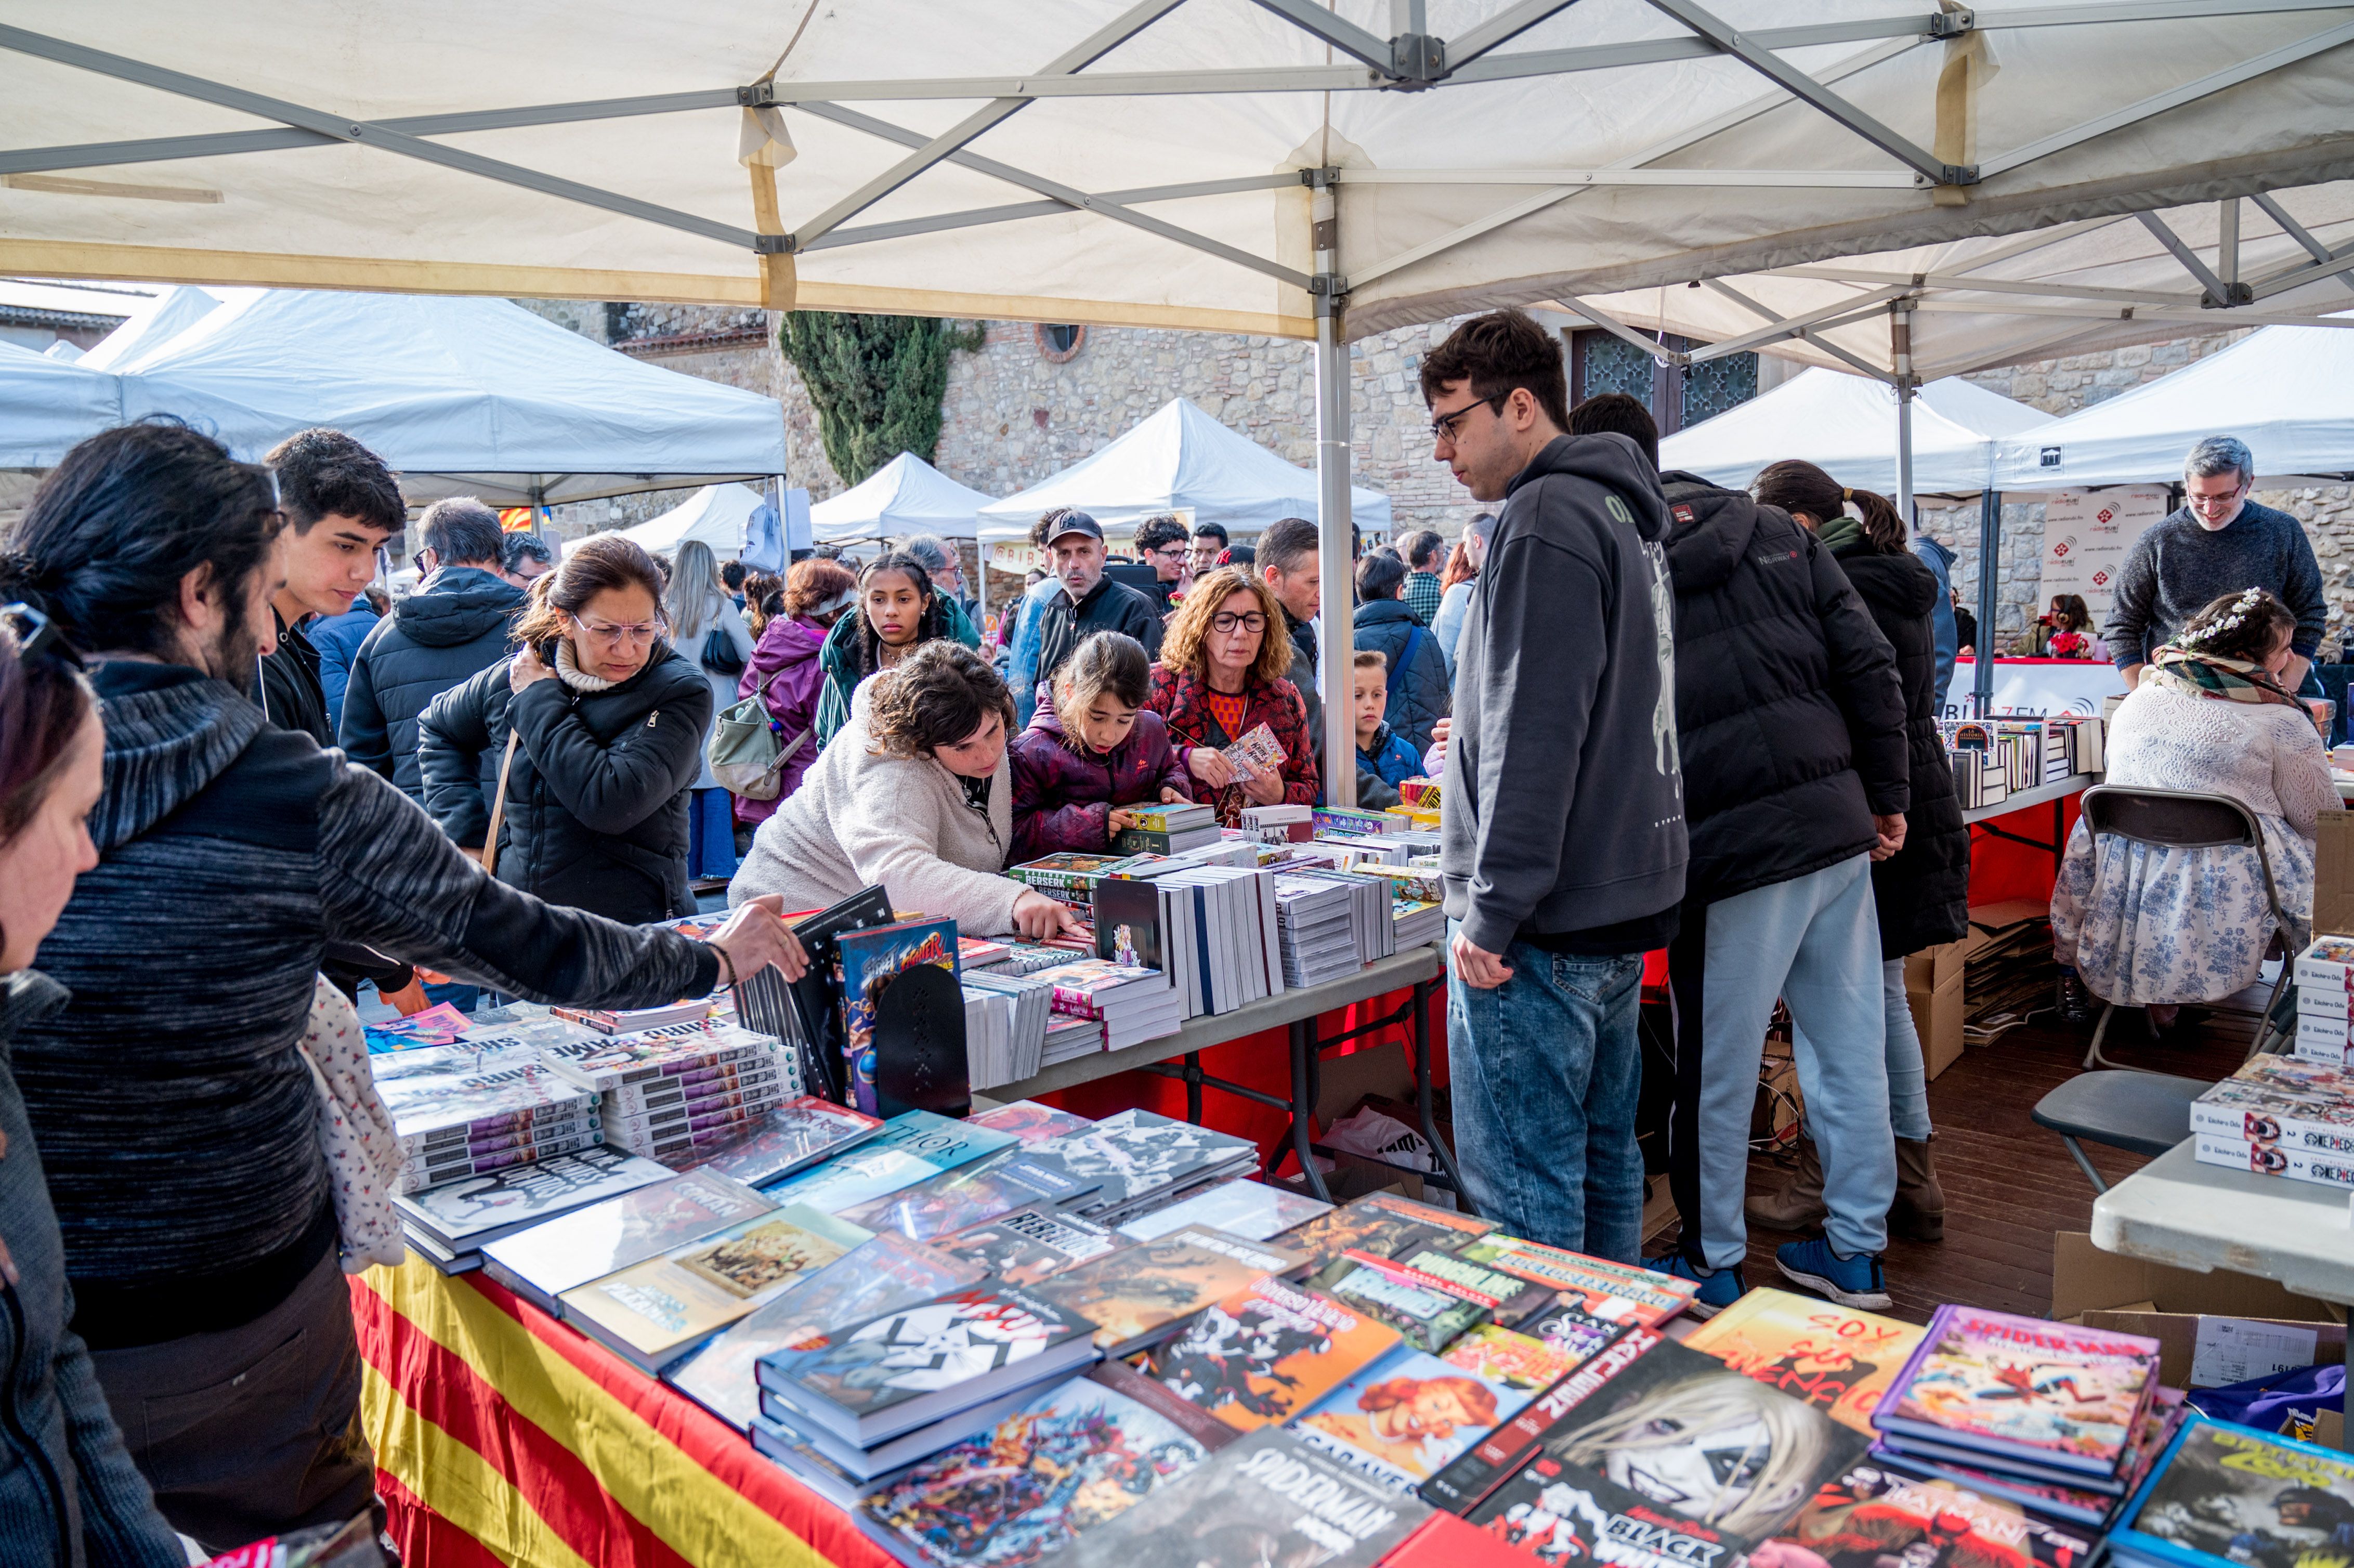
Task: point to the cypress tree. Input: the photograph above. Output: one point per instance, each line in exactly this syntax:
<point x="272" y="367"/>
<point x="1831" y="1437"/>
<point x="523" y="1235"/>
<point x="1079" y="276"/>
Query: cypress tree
<point x="877" y="382"/>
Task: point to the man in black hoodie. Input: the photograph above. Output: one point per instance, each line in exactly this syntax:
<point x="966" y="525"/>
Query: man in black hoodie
<point x="455" y="625"/>
<point x="1563" y="806"/>
<point x="1791" y="724"/>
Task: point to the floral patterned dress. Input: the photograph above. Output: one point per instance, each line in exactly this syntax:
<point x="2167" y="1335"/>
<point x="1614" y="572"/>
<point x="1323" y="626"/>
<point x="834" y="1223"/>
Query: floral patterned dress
<point x="2144" y="923"/>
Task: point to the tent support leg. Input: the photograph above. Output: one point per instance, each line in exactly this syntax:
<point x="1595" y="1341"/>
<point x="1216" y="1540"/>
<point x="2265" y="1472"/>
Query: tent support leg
<point x="1990" y="550"/>
<point x="1900" y="344"/>
<point x="1333" y="555"/>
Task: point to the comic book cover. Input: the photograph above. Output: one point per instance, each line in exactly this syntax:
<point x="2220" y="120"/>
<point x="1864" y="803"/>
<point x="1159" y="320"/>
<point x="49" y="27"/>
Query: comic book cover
<point x="1617" y="1291"/>
<point x="1568" y="1517"/>
<point x="1519" y="1360"/>
<point x="1251" y="1209"/>
<point x="2228" y="1494"/>
<point x="1029" y="1121"/>
<point x="463" y="1215"/>
<point x="1266" y="1353"/>
<point x="1259" y="748"/>
<point x="1479" y="1469"/>
<point x="1125" y="1157"/>
<point x="2065" y="1396"/>
<point x="1871" y="1515"/>
<point x="795" y="1135"/>
<point x="1381" y="1222"/>
<point x="1132" y="1295"/>
<point x="441" y="1024"/>
<point x="1069" y="1460"/>
<point x="1508" y="1297"/>
<point x="551" y="1258"/>
<point x="1268" y="1500"/>
<point x="1682" y="1446"/>
<point x="956" y="1199"/>
<point x="1572" y="1330"/>
<point x="1031" y="1244"/>
<point x="970" y="1339"/>
<point x="914" y="1146"/>
<point x="616" y="1061"/>
<point x="1426" y="1314"/>
<point x="1406" y="1416"/>
<point x="870" y="960"/>
<point x="472" y="1081"/>
<point x="1835" y="1358"/>
<point x="885" y="1274"/>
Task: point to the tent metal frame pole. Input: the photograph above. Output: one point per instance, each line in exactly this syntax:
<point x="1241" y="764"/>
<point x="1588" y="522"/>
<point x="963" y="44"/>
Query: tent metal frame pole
<point x="1334" y="559"/>
<point x="1900" y="351"/>
<point x="1989" y="568"/>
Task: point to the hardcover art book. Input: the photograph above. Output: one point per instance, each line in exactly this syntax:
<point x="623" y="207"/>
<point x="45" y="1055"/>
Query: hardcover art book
<point x="885" y="1274"/>
<point x="1251" y="1209"/>
<point x="1134" y="1295"/>
<point x="1834" y="1358"/>
<point x="871" y="959"/>
<point x="1424" y="1313"/>
<point x="1071" y="1460"/>
<point x="655" y="1311"/>
<point x="794" y="1136"/>
<point x="956" y="1200"/>
<point x="542" y="1262"/>
<point x="1268" y="1352"/>
<point x="463" y="1215"/>
<point x="2227" y="1494"/>
<point x="1407" y="1416"/>
<point x="1872" y="1514"/>
<point x="914" y="1146"/>
<point x="1031" y="1245"/>
<point x="1989" y="1381"/>
<point x="1129" y="1157"/>
<point x="1269" y="1499"/>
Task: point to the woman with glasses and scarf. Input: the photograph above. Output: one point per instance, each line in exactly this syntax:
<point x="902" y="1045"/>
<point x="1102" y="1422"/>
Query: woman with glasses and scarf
<point x="1221" y="676"/>
<point x="596" y="726"/>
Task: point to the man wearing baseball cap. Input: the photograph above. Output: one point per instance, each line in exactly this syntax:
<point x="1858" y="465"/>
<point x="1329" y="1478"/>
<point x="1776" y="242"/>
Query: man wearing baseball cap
<point x="1089" y="601"/>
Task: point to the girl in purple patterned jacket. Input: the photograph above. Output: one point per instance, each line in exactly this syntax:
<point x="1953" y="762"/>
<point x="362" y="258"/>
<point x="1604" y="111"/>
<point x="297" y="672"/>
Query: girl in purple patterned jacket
<point x="1091" y="748"/>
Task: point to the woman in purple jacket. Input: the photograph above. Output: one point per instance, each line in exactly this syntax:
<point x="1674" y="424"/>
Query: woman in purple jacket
<point x="785" y="671"/>
<point x="1091" y="750"/>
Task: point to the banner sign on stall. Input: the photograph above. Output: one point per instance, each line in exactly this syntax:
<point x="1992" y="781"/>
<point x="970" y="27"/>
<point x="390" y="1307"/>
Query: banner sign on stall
<point x="2087" y="533"/>
<point x="2026" y="688"/>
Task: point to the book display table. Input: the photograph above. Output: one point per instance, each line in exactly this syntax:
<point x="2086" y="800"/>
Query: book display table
<point x="2178" y="1211"/>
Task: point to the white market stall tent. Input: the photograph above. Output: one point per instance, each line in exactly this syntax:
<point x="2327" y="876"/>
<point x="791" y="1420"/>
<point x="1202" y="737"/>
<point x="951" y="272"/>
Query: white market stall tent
<point x="49" y="404"/>
<point x="169" y="314"/>
<point x="460" y="396"/>
<point x="1847" y="426"/>
<point x="714" y="515"/>
<point x="1182" y="460"/>
<point x="2288" y="392"/>
<point x="905" y="496"/>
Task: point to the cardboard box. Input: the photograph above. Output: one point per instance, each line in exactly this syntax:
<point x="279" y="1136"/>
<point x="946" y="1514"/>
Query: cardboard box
<point x="1937" y="1019"/>
<point x="1988" y="920"/>
<point x="1934" y="967"/>
<point x="2333" y="871"/>
<point x="2102" y="1291"/>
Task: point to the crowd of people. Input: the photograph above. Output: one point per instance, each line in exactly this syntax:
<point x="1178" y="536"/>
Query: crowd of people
<point x="1667" y="715"/>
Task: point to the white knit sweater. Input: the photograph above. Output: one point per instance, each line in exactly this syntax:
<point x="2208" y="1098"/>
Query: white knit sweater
<point x="859" y="819"/>
<point x="2266" y="756"/>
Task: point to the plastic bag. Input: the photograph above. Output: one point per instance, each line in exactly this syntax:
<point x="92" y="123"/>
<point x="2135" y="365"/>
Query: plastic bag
<point x="1370" y="1135"/>
<point x="2271" y="1403"/>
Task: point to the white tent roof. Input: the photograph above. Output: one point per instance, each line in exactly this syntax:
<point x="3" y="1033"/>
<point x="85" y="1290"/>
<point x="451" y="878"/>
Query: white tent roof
<point x="50" y="404"/>
<point x="2288" y="392"/>
<point x="1182" y="460"/>
<point x="1131" y="161"/>
<point x="155" y="324"/>
<point x="63" y="349"/>
<point x="906" y="496"/>
<point x="714" y="515"/>
<point x="1846" y="425"/>
<point x="462" y="395"/>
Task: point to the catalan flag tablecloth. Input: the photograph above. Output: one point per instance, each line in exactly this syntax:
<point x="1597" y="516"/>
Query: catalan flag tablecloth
<point x="504" y="1439"/>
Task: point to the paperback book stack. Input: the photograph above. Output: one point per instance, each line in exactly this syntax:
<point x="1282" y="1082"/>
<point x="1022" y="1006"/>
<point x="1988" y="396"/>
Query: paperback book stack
<point x="1134" y="1162"/>
<point x="2014" y="1405"/>
<point x="1072" y="877"/>
<point x="1132" y="1006"/>
<point x="1417" y="912"/>
<point x="666" y="1092"/>
<point x="450" y="1224"/>
<point x="1371" y="913"/>
<point x="1212" y="929"/>
<point x="1005" y="1019"/>
<point x="480" y="1105"/>
<point x="1279" y="825"/>
<point x="1316" y="929"/>
<point x="2280" y="1116"/>
<point x="1167" y="829"/>
<point x="2325" y="1003"/>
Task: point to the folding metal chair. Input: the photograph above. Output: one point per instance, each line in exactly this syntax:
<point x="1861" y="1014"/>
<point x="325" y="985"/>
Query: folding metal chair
<point x="2183" y="818"/>
<point x="2143" y="1113"/>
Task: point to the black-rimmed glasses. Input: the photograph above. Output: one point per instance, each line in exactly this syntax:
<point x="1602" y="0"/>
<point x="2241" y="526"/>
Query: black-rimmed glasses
<point x="1227" y="621"/>
<point x="1442" y="428"/>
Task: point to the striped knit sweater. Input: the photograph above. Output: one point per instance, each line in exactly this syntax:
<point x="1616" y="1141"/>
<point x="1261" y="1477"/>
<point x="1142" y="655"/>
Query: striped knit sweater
<point x="176" y="1119"/>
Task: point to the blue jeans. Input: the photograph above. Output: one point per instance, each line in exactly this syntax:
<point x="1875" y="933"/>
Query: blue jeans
<point x="711" y="833"/>
<point x="1545" y="1072"/>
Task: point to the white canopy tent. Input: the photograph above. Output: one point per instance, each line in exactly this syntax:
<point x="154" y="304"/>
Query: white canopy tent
<point x="1847" y="426"/>
<point x="714" y="515"/>
<point x="50" y="403"/>
<point x="1274" y="167"/>
<point x="2288" y="392"/>
<point x="1179" y="459"/>
<point x="906" y="496"/>
<point x="462" y="395"/>
<point x="155" y="324"/>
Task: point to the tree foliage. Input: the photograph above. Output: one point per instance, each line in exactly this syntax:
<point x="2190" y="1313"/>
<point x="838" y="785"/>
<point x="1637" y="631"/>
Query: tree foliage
<point x="877" y="382"/>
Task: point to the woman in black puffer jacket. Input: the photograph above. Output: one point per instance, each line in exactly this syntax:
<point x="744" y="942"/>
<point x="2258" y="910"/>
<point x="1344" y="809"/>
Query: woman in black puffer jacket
<point x="610" y="720"/>
<point x="1922" y="890"/>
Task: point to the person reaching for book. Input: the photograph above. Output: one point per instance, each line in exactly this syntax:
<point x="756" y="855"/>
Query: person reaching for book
<point x="1221" y="676"/>
<point x="1091" y="751"/>
<point x="178" y="1123"/>
<point x="52" y="747"/>
<point x="1385" y="758"/>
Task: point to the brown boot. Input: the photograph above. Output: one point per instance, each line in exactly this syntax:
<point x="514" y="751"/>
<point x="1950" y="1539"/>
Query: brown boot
<point x="1919" y="1212"/>
<point x="1798" y="1202"/>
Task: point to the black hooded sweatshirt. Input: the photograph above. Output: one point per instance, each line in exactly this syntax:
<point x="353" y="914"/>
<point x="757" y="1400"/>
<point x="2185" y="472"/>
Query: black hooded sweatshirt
<point x="1790" y="718"/>
<point x="1563" y="807"/>
<point x="455" y="625"/>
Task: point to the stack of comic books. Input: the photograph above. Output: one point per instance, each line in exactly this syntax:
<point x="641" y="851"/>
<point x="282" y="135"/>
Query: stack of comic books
<point x="796" y="1134"/>
<point x="1318" y="933"/>
<point x="2037" y="1402"/>
<point x="480" y="1105"/>
<point x="670" y="1091"/>
<point x="1005" y="1019"/>
<point x="457" y="1219"/>
<point x="1837" y="1359"/>
<point x="2325" y="1003"/>
<point x="1874" y="1516"/>
<point x="1134" y="1162"/>
<point x="544" y="1262"/>
<point x="1133" y="1004"/>
<point x="2280" y="1116"/>
<point x="2222" y="1494"/>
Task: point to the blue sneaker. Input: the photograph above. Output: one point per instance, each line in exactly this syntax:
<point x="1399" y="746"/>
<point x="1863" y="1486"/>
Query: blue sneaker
<point x="1849" y="1281"/>
<point x="1719" y="1288"/>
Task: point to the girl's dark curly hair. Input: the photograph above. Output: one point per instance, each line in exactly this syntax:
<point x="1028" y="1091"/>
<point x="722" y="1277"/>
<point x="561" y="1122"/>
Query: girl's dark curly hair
<point x="937" y="695"/>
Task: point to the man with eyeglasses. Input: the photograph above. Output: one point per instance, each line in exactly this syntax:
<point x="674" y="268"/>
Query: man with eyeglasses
<point x="2218" y="542"/>
<point x="1162" y="543"/>
<point x="1562" y="809"/>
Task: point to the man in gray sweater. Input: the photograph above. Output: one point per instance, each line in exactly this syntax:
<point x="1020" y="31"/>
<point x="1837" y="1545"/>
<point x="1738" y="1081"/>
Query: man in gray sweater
<point x="2218" y="542"/>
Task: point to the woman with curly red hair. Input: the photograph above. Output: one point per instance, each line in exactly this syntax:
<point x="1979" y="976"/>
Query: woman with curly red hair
<point x="1222" y="675"/>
